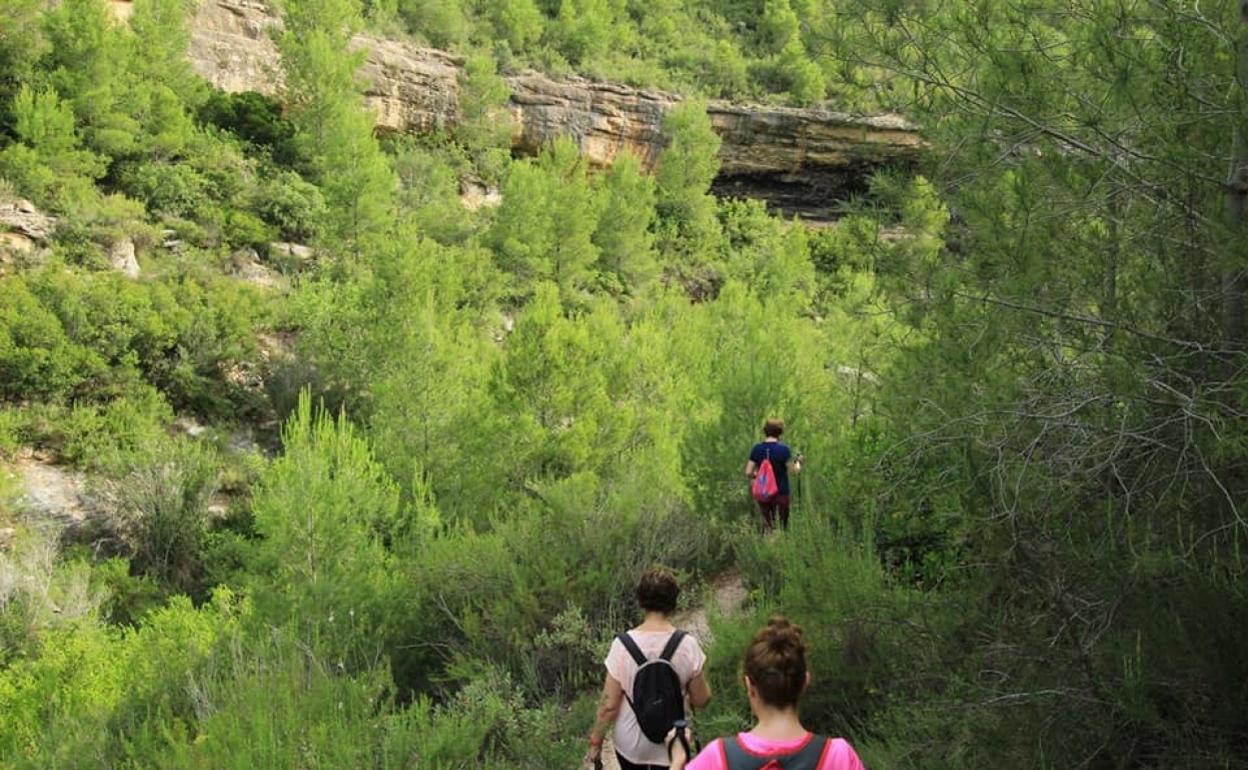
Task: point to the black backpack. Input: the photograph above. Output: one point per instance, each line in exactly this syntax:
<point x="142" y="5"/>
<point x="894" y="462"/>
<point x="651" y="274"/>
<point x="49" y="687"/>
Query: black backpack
<point x="658" y="699"/>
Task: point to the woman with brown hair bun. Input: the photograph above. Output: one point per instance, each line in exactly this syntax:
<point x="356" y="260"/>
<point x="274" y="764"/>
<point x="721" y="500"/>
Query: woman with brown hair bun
<point x="775" y="678"/>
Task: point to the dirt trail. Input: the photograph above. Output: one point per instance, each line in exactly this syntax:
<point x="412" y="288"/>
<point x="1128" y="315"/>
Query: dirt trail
<point x="728" y="592"/>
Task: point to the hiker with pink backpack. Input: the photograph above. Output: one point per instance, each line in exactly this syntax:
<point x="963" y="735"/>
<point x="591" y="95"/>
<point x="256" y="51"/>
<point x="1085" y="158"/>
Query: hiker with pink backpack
<point x="769" y="466"/>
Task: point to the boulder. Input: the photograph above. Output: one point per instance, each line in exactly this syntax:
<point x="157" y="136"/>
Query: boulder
<point x="22" y="217"/>
<point x="52" y="494"/>
<point x="290" y="251"/>
<point x="16" y="243"/>
<point x="122" y="259"/>
<point x="246" y="266"/>
<point x="474" y="195"/>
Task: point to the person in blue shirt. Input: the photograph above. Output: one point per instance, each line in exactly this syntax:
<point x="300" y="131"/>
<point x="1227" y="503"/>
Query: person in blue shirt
<point x="782" y="462"/>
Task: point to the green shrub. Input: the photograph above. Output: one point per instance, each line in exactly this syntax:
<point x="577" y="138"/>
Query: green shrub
<point x="37" y="357"/>
<point x="254" y="118"/>
<point x="296" y="207"/>
<point x="93" y="696"/>
<point x="243" y="228"/>
<point x="441" y="22"/>
<point x="162" y="497"/>
<point x="168" y="189"/>
<point x="862" y="631"/>
<point x="11" y="424"/>
<point x="129" y="597"/>
<point x="100" y="436"/>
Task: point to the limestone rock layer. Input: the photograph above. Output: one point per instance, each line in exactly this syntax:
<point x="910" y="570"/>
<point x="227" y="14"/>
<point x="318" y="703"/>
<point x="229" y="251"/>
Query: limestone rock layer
<point x="802" y="161"/>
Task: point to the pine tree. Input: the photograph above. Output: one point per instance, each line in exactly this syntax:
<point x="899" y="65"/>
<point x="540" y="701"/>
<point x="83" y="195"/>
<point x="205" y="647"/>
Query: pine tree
<point x="22" y="42"/>
<point x="334" y="130"/>
<point x="325" y="508"/>
<point x="48" y="162"/>
<point x="687" y="226"/>
<point x="88" y="69"/>
<point x="519" y="22"/>
<point x="485" y="124"/>
<point x="627" y="261"/>
<point x="544" y="228"/>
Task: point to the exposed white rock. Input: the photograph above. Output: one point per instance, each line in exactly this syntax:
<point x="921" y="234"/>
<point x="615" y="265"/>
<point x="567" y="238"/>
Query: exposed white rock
<point x="122" y="259"/>
<point x="51" y="493"/>
<point x="475" y="195"/>
<point x="190" y="426"/>
<point x="283" y="250"/>
<point x="22" y="217"/>
<point x="255" y="273"/>
<point x="16" y="243"/>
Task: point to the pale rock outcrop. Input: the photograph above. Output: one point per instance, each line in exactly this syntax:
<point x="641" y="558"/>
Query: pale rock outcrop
<point x="801" y="161"/>
<point x="475" y="194"/>
<point x="290" y="251"/>
<point x="23" y="231"/>
<point x="121" y="258"/>
<point x="50" y="493"/>
<point x="246" y="266"/>
<point x="23" y="218"/>
<point x="14" y="246"/>
<point x="122" y="9"/>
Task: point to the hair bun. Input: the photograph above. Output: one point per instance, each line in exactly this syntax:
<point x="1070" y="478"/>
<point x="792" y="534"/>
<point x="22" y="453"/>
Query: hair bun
<point x="782" y="636"/>
<point x="776" y="662"/>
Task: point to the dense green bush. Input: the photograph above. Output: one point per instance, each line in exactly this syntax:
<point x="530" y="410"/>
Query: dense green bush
<point x="37" y="358"/>
<point x="295" y="207"/>
<point x="253" y="118"/>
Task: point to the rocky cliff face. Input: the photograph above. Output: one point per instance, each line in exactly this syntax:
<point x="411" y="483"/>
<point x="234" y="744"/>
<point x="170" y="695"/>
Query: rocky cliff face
<point x="801" y="161"/>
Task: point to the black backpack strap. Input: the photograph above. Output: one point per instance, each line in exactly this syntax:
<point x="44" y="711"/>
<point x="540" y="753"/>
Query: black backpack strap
<point x="669" y="649"/>
<point x="632" y="648"/>
<point x="806" y="758"/>
<point x="810" y="756"/>
<point x="737" y="758"/>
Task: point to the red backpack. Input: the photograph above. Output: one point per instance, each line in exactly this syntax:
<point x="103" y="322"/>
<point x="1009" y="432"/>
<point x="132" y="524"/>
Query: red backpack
<point x="764" y="487"/>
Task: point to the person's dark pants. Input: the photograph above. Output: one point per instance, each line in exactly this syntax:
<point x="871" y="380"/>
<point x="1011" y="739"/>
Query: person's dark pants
<point x="626" y="765"/>
<point x="776" y="505"/>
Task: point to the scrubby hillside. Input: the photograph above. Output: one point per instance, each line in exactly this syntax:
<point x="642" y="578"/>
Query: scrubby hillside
<point x="359" y="464"/>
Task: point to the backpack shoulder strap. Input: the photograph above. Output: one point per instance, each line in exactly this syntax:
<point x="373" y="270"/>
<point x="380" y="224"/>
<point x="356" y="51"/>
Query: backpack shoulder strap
<point x="809" y="757"/>
<point x="737" y="758"/>
<point x="674" y="642"/>
<point x="632" y="648"/>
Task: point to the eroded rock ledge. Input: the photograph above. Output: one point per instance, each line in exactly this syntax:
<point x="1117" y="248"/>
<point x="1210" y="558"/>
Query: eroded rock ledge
<point x="802" y="161"/>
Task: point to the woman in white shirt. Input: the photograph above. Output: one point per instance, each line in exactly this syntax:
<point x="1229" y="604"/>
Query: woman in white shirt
<point x="656" y="593"/>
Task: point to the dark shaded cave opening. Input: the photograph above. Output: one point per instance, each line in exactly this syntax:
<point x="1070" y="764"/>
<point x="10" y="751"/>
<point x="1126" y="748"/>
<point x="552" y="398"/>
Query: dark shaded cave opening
<point x="818" y="197"/>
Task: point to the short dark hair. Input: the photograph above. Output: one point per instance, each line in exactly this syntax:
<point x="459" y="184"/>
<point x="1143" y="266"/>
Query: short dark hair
<point x="775" y="662"/>
<point x="773" y="428"/>
<point x="657" y="590"/>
